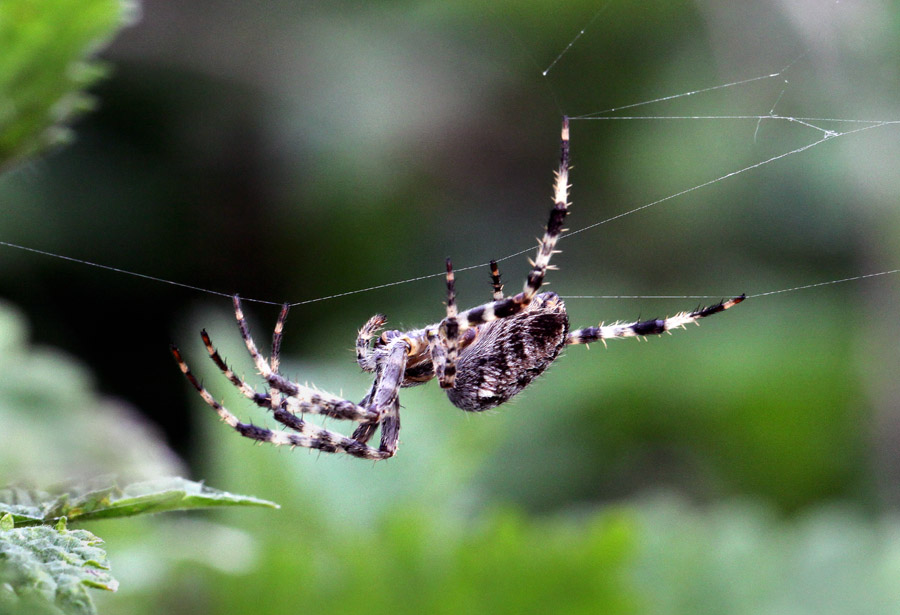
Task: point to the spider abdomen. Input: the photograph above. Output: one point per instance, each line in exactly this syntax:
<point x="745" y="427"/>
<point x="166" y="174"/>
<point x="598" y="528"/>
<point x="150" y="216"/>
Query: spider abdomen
<point x="509" y="354"/>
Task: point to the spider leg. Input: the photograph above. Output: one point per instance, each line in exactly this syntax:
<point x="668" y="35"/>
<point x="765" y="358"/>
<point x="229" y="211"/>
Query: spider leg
<point x="364" y="355"/>
<point x="364" y="432"/>
<point x="648" y="327"/>
<point x="452" y="326"/>
<point x="260" y="399"/>
<point x="446" y="350"/>
<point x="554" y="225"/>
<point x="275" y="359"/>
<point x="299" y="398"/>
<point x="390" y="428"/>
<point x="383" y="397"/>
<point x="273" y="401"/>
<point x="495" y="281"/>
<point x="307" y="436"/>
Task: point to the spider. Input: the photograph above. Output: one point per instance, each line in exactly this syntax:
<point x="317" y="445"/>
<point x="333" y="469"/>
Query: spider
<point x="482" y="356"/>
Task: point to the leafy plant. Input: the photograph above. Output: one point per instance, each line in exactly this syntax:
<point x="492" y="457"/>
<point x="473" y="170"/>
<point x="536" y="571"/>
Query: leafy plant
<point x="29" y="507"/>
<point x="49" y="568"/>
<point x="46" y="63"/>
<point x="44" y="566"/>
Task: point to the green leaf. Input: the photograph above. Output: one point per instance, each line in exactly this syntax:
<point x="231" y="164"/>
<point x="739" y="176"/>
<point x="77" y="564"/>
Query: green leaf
<point x="105" y="500"/>
<point x="49" y="570"/>
<point x="46" y="65"/>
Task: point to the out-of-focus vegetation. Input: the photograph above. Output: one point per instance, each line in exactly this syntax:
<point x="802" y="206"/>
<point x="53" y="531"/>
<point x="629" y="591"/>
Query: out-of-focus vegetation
<point x="45" y="67"/>
<point x="45" y="398"/>
<point x="291" y="151"/>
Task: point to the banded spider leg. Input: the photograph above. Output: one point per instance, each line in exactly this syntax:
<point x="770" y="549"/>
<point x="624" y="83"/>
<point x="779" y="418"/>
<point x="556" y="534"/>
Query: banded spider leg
<point x="287" y="399"/>
<point x="648" y="327"/>
<point x="456" y="324"/>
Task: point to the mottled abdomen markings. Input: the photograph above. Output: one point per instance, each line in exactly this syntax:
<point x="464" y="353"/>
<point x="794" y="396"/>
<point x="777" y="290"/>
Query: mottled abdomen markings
<point x="508" y="354"/>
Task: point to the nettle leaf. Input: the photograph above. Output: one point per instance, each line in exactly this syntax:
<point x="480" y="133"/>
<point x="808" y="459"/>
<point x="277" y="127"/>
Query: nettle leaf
<point x="161" y="495"/>
<point x="46" y="65"/>
<point x="105" y="500"/>
<point x="49" y="569"/>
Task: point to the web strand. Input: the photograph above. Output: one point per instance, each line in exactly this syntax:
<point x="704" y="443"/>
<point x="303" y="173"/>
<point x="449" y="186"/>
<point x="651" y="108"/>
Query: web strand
<point x="434" y="275"/>
<point x="127" y="272"/>
<point x="734" y="294"/>
<point x="575" y="39"/>
<point x="721" y="86"/>
<point x="809" y="122"/>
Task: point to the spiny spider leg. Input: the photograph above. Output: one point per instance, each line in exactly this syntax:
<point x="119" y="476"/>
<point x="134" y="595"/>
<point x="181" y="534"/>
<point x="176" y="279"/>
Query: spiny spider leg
<point x="308" y="436"/>
<point x="364" y="432"/>
<point x="300" y="398"/>
<point x="275" y="359"/>
<point x="648" y="327"/>
<point x="364" y="355"/>
<point x="277" y="334"/>
<point x="445" y="360"/>
<point x="495" y="281"/>
<point x="260" y="399"/>
<point x="554" y="225"/>
<point x="385" y="397"/>
<point x="283" y="410"/>
<point x="390" y="428"/>
<point x="453" y="326"/>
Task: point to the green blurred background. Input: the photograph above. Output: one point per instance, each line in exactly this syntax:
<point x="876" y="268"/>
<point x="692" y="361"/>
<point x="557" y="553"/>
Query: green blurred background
<point x="290" y="151"/>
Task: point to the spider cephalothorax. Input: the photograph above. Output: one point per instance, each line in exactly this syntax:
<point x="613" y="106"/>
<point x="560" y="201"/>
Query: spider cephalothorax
<point x="482" y="357"/>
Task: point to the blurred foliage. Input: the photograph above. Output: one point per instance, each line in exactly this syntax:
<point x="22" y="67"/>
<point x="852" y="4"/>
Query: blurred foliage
<point x="46" y="65"/>
<point x="57" y="426"/>
<point x="46" y="569"/>
<point x="296" y="150"/>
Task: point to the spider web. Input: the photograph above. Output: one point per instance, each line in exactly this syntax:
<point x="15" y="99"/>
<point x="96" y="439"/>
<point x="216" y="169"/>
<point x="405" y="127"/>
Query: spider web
<point x="823" y="136"/>
<point x="825" y="131"/>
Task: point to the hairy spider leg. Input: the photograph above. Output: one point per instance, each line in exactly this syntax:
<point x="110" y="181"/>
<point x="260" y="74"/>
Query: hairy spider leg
<point x="260" y="399"/>
<point x="283" y="416"/>
<point x="299" y="398"/>
<point x="451" y="290"/>
<point x="307" y="436"/>
<point x="381" y="403"/>
<point x="495" y="281"/>
<point x="312" y="406"/>
<point x="444" y="359"/>
<point x="554" y="226"/>
<point x="364" y="431"/>
<point x="277" y="334"/>
<point x="364" y="355"/>
<point x="385" y="397"/>
<point x="648" y="327"/>
<point x="505" y="307"/>
<point x="382" y="407"/>
<point x="275" y="359"/>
